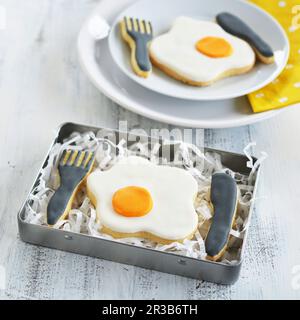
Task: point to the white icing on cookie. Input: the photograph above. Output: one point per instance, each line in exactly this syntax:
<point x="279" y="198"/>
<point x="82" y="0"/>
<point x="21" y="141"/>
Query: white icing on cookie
<point x="177" y="51"/>
<point x="173" y="190"/>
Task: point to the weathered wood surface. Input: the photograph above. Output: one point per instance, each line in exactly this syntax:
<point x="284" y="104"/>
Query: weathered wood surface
<point x="41" y="86"/>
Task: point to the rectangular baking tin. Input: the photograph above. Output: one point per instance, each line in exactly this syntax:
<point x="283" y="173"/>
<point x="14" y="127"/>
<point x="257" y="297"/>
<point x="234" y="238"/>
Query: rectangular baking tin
<point x="124" y="253"/>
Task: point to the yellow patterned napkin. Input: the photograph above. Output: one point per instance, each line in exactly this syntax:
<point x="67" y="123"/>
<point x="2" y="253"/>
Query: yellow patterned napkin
<point x="285" y="90"/>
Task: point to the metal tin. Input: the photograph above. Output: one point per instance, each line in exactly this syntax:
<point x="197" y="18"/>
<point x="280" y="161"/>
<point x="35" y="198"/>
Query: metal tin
<point x="124" y="253"/>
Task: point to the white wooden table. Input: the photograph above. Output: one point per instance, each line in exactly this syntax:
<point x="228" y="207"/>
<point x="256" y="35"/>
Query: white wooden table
<point x="41" y="86"/>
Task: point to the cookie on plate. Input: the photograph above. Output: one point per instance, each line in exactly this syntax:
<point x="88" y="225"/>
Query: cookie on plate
<point x="200" y="52"/>
<point x="138" y="34"/>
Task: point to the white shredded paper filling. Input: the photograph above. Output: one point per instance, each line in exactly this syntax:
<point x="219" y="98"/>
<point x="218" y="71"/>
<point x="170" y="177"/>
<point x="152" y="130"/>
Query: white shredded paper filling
<point x="82" y="217"/>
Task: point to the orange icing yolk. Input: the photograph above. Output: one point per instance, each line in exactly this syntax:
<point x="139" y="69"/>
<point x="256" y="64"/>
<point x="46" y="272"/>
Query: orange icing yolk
<point x="132" y="201"/>
<point x="214" y="47"/>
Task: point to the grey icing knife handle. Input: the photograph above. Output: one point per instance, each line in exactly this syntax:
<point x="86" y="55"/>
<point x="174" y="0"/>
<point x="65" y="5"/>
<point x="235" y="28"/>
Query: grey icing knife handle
<point x="235" y="26"/>
<point x="224" y="200"/>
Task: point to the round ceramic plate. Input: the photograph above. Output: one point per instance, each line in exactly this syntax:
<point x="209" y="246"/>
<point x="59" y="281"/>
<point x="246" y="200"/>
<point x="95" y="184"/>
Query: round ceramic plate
<point x="98" y="65"/>
<point x="162" y="14"/>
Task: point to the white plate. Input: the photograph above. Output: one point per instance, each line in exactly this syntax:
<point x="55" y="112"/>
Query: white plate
<point x="97" y="63"/>
<point x="162" y="14"/>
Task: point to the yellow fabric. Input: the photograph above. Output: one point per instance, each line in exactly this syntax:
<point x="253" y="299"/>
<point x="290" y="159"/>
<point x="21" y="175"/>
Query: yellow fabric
<point x="285" y="90"/>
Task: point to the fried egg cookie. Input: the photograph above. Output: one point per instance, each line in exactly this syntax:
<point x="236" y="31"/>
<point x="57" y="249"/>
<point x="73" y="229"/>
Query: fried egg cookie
<point x="138" y="35"/>
<point x="224" y="198"/>
<point x="136" y="198"/>
<point x="240" y="29"/>
<point x="73" y="169"/>
<point x="200" y="52"/>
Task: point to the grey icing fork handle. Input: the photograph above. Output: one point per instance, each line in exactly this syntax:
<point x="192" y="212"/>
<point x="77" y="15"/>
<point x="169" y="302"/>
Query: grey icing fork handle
<point x="60" y="200"/>
<point x="58" y="204"/>
<point x="141" y="53"/>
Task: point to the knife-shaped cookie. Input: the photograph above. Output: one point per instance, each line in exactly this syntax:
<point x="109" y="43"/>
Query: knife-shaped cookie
<point x="237" y="27"/>
<point x="224" y="198"/>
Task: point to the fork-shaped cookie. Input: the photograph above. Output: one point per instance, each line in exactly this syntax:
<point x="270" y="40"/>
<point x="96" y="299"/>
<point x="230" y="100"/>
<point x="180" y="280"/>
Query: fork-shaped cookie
<point x="138" y="34"/>
<point x="73" y="168"/>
